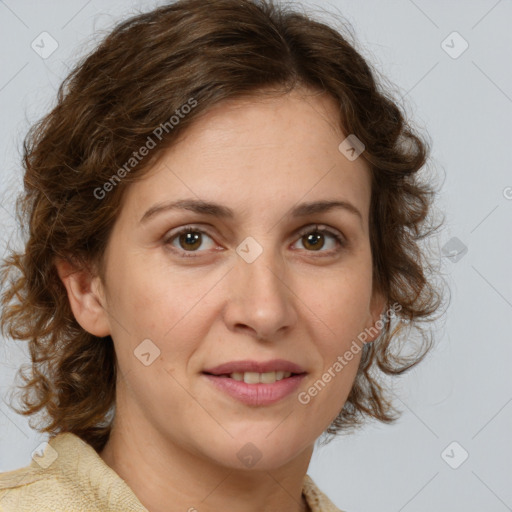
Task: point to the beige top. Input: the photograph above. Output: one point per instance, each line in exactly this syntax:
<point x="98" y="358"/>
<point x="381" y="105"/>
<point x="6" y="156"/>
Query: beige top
<point x="71" y="476"/>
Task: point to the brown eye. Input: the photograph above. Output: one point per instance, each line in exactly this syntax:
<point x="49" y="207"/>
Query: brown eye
<point x="314" y="240"/>
<point x="188" y="240"/>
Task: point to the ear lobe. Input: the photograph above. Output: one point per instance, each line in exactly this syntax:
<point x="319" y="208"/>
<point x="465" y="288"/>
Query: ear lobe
<point x="86" y="297"/>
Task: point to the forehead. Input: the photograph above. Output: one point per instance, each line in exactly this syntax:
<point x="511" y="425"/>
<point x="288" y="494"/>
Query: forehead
<point x="258" y="151"/>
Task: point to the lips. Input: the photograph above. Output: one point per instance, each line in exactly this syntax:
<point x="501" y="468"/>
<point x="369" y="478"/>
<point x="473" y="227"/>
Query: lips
<point x="275" y="365"/>
<point x="256" y="383"/>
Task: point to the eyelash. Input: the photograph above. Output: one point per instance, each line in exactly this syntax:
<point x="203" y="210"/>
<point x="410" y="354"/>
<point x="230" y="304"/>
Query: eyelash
<point x="306" y="231"/>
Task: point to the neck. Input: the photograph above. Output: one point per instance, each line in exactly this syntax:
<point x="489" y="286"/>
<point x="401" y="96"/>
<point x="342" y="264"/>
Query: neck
<point x="161" y="472"/>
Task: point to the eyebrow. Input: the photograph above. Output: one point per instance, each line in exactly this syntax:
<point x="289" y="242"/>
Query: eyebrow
<point x="224" y="212"/>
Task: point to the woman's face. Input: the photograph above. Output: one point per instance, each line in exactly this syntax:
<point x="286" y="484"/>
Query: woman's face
<point x="254" y="282"/>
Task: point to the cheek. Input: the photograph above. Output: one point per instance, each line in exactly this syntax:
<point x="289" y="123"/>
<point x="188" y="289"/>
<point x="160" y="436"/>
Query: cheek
<point x="340" y="309"/>
<point x="149" y="297"/>
<point x="341" y="303"/>
<point x="159" y="307"/>
<point x="170" y="308"/>
<point x="324" y="396"/>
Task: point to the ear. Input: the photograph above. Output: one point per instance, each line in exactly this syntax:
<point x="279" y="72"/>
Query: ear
<point x="86" y="297"/>
<point x="377" y="308"/>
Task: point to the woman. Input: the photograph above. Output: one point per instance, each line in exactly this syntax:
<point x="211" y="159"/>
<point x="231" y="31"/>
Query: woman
<point x="224" y="213"/>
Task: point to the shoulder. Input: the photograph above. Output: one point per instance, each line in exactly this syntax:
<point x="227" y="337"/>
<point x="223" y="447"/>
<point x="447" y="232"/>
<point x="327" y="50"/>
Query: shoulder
<point x="33" y="488"/>
<point x="68" y="476"/>
<point x="49" y="482"/>
<point x="317" y="500"/>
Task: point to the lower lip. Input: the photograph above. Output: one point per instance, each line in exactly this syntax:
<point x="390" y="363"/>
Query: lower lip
<point x="257" y="394"/>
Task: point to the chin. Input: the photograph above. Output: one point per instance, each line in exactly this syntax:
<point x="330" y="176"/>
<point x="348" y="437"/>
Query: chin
<point x="259" y="448"/>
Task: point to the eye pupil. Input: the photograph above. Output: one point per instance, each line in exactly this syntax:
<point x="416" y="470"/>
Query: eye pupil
<point x="190" y="238"/>
<point x="314" y="238"/>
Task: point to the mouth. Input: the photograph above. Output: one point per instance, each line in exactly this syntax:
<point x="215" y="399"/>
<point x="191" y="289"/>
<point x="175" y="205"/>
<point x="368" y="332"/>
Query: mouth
<point x="256" y="377"/>
<point x="279" y="367"/>
<point x="256" y="383"/>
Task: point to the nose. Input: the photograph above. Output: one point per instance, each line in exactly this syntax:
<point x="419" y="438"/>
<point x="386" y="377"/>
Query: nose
<point x="260" y="299"/>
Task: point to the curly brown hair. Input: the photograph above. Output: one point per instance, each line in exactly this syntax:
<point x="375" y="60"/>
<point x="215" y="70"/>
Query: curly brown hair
<point x="113" y="100"/>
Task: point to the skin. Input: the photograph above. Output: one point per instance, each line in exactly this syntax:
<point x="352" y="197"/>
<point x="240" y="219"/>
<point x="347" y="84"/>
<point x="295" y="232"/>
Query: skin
<point x="175" y="437"/>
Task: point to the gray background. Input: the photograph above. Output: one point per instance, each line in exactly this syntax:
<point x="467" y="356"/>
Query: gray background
<point x="463" y="392"/>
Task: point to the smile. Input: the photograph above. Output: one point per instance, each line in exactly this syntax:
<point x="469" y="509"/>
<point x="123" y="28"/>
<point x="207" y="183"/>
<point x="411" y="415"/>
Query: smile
<point x="256" y="392"/>
<point x="255" y="377"/>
